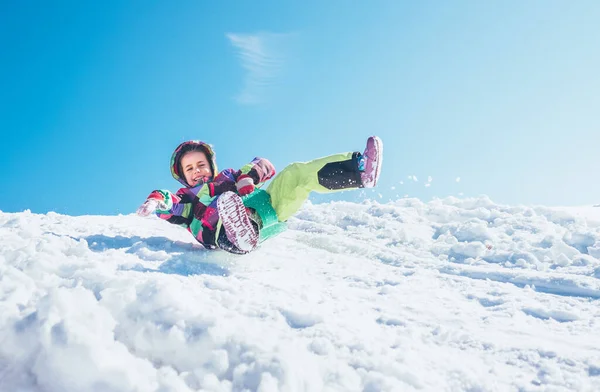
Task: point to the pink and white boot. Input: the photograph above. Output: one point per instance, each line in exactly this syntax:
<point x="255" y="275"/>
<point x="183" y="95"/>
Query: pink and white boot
<point x="373" y="157"/>
<point x="236" y="222"/>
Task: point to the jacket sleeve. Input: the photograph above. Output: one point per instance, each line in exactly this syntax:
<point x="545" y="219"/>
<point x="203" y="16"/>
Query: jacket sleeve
<point x="260" y="170"/>
<point x="176" y="208"/>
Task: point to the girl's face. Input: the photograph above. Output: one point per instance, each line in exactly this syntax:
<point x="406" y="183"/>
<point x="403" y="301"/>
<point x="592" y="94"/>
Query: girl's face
<point x="196" y="168"/>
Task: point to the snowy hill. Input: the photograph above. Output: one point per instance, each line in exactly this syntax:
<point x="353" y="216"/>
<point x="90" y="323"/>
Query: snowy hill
<point x="451" y="295"/>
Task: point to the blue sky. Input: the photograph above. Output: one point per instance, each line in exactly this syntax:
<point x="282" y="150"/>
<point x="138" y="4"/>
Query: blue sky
<point x="96" y="95"/>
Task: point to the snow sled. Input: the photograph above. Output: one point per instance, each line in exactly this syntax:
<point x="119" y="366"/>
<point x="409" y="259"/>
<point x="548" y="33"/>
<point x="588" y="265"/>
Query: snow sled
<point x="260" y="201"/>
<point x="248" y="220"/>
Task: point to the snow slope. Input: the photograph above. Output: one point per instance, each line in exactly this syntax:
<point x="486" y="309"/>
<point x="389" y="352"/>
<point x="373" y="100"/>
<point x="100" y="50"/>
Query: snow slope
<point x="450" y="295"/>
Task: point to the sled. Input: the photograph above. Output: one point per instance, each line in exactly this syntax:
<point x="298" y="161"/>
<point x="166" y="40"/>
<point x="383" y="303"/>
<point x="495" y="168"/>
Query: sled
<point x="269" y="225"/>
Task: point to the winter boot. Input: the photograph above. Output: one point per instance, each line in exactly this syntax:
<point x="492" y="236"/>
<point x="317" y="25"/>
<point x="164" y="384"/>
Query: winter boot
<point x="236" y="222"/>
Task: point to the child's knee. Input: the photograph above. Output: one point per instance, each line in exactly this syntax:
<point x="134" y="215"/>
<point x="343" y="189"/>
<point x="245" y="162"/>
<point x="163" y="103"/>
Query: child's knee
<point x="296" y="174"/>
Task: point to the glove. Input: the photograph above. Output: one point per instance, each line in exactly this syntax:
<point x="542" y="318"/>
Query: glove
<point x="244" y="185"/>
<point x="148" y="207"/>
<point x="153" y="202"/>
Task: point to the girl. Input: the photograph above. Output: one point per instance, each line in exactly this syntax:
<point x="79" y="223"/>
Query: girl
<point x="209" y="206"/>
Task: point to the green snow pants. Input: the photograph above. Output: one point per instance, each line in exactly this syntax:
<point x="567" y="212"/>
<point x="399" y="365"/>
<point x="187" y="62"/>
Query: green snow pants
<point x="292" y="186"/>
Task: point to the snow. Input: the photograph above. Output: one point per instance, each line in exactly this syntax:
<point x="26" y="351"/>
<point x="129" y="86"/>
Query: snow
<point x="450" y="295"/>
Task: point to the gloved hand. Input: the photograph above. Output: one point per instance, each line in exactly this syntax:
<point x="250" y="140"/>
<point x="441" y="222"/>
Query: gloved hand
<point x="154" y="201"/>
<point x="244" y="185"/>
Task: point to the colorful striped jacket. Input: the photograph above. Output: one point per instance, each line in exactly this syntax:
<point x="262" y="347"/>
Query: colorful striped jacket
<point x="196" y="207"/>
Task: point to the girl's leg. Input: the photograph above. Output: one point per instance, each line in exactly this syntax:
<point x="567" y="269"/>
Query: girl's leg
<point x="292" y="186"/>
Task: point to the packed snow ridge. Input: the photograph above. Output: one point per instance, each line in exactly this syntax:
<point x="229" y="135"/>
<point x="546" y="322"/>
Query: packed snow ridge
<point x="450" y="295"/>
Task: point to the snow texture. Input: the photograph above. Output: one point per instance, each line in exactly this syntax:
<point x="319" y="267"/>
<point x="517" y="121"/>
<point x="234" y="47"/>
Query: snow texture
<point x="450" y="295"/>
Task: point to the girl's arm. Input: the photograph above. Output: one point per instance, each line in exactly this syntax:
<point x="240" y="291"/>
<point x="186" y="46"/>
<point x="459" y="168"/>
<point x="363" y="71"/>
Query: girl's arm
<point x="253" y="174"/>
<point x="259" y="170"/>
<point x="174" y="208"/>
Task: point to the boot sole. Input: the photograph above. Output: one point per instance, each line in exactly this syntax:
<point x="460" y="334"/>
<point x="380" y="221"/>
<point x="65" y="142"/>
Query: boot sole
<point x="379" y="149"/>
<point x="235" y="220"/>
